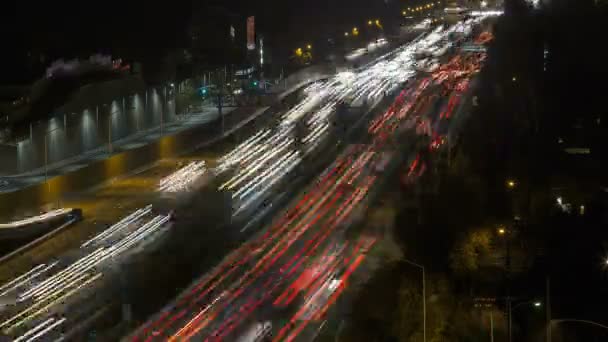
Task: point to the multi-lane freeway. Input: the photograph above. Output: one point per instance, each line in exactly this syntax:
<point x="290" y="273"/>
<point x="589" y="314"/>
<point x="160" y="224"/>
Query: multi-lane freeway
<point x="284" y="279"/>
<point x="281" y="283"/>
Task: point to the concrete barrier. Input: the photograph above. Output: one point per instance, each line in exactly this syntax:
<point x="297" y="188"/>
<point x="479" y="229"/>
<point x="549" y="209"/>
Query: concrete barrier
<point x="38" y="241"/>
<point x="112" y="167"/>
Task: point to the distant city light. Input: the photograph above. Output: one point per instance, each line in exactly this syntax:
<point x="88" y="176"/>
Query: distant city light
<point x="486" y="13"/>
<point x="261" y="53"/>
<point x="534" y="3"/>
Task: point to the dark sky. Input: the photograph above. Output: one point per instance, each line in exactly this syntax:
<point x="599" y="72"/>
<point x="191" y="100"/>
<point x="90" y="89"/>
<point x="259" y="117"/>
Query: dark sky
<point x="63" y="28"/>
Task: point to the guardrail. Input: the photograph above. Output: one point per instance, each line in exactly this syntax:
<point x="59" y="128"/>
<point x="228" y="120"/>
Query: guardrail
<point x="39" y="240"/>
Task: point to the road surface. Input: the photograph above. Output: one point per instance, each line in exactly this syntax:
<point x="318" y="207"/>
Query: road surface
<point x="282" y="282"/>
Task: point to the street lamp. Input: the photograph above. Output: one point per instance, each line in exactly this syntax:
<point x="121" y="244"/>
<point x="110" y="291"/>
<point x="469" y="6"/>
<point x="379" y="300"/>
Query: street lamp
<point x="110" y="130"/>
<point x="345" y="34"/>
<point x="511" y="184"/>
<point x="536" y="304"/>
<point x="502" y="231"/>
<point x="46" y="158"/>
<point x="369" y="22"/>
<point x="309" y="47"/>
<point x="423" y="297"/>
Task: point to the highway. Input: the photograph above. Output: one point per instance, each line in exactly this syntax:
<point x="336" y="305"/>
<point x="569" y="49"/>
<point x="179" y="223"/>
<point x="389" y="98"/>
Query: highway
<point x="281" y="283"/>
<point x="65" y="284"/>
<point x="299" y="264"/>
<point x="44" y="298"/>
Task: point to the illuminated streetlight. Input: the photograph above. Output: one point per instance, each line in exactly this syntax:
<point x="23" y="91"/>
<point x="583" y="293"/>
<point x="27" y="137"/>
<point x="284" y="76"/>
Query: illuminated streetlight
<point x="404" y="12"/>
<point x="511" y="184"/>
<point x="377" y="22"/>
<point x="345" y="34"/>
<point x="502" y="231"/>
<point x="512" y="309"/>
<point x="309" y="46"/>
<point x="369" y="23"/>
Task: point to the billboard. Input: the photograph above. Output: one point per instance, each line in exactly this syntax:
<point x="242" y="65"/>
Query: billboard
<point x="251" y="33"/>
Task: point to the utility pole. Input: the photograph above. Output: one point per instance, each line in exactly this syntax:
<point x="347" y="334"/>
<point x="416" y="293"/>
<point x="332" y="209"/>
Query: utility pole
<point x="110" y="149"/>
<point x="510" y="315"/>
<point x="110" y="134"/>
<point x="423" y="305"/>
<point x="423" y="297"/>
<point x="46" y="159"/>
<point x="548" y="309"/>
<point x="491" y="326"/>
<point x="219" y="108"/>
<point x="161" y="112"/>
<point x="507" y="237"/>
<point x="46" y="164"/>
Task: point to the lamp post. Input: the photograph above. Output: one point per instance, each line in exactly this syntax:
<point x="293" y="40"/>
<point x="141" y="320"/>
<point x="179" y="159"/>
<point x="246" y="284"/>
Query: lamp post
<point x="110" y="150"/>
<point x="165" y="106"/>
<point x="536" y="304"/>
<point x="423" y="297"/>
<point x="46" y="159"/>
<point x="506" y="234"/>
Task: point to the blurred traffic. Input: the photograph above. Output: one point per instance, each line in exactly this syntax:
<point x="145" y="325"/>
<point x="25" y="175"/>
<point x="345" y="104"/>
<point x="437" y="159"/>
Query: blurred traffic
<point x="281" y="284"/>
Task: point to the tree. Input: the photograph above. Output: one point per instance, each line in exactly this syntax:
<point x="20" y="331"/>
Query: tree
<point x="187" y="97"/>
<point x="467" y="254"/>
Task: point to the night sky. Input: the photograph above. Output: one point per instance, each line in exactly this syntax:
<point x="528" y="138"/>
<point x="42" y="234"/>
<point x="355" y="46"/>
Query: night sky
<point x="137" y="28"/>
